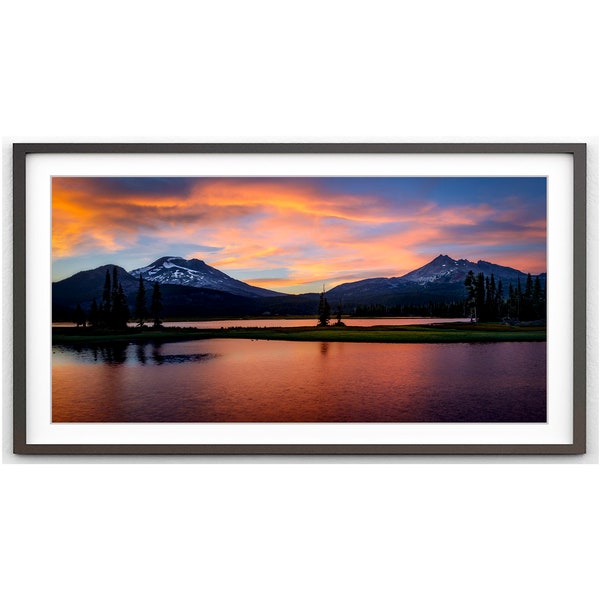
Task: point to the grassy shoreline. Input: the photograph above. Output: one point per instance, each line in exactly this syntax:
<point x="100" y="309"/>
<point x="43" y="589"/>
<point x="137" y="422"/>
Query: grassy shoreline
<point x="434" y="333"/>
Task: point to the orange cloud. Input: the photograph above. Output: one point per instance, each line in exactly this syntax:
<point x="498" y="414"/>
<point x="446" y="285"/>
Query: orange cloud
<point x="261" y="225"/>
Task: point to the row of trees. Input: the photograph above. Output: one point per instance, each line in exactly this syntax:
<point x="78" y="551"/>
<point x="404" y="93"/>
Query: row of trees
<point x="432" y="308"/>
<point x="113" y="311"/>
<point x="156" y="306"/>
<point x="486" y="300"/>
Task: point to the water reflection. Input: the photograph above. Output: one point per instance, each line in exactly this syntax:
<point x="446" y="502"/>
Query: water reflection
<point x="141" y="354"/>
<point x="223" y="380"/>
<point x="157" y="356"/>
<point x="112" y="353"/>
<point x="120" y="353"/>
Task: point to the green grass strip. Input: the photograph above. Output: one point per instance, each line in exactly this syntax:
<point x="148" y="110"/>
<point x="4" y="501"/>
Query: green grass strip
<point x="397" y="334"/>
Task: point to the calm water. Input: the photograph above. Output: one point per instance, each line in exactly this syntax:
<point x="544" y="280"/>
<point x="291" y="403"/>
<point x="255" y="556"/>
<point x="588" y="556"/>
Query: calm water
<point x="228" y="380"/>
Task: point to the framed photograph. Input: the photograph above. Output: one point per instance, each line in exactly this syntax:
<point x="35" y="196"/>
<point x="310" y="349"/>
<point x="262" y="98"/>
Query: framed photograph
<point x="299" y="298"/>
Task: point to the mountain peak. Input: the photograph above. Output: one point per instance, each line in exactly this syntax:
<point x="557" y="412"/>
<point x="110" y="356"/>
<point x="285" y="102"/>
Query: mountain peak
<point x="441" y="258"/>
<point x="196" y="273"/>
<point x="166" y="258"/>
<point x="442" y="267"/>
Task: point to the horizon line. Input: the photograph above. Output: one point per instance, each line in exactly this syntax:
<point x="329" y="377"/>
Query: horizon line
<point x="171" y="256"/>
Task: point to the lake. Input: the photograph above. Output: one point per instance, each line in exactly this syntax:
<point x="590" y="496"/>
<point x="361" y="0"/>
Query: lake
<point x="231" y="380"/>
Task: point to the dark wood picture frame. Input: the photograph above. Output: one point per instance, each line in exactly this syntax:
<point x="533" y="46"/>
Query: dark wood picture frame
<point x="21" y="444"/>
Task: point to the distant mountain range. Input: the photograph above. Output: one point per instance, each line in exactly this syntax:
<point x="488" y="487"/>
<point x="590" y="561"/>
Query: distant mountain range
<point x="439" y="280"/>
<point x="444" y="269"/>
<point x="191" y="288"/>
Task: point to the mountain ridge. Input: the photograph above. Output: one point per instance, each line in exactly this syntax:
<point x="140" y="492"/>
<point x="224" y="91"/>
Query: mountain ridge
<point x="186" y="288"/>
<point x="451" y="270"/>
<point x="180" y="301"/>
<point x="440" y="279"/>
<point x="196" y="273"/>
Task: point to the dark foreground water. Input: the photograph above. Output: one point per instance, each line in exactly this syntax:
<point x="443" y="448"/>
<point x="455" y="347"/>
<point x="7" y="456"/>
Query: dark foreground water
<point x="228" y="380"/>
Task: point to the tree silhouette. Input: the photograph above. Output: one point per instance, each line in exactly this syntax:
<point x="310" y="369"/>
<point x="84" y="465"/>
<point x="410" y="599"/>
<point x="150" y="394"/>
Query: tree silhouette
<point x="119" y="311"/>
<point x="499" y="300"/>
<point x="141" y="312"/>
<point x="324" y="312"/>
<point x="480" y="296"/>
<point x="105" y="308"/>
<point x="539" y="299"/>
<point x="156" y="305"/>
<point x="471" y="285"/>
<point x="79" y="317"/>
<point x="94" y="315"/>
<point x="338" y="315"/>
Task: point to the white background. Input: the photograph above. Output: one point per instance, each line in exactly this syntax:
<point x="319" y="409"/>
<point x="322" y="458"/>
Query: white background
<point x="300" y="528"/>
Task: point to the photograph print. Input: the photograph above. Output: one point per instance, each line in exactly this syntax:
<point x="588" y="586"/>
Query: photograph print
<point x="299" y="300"/>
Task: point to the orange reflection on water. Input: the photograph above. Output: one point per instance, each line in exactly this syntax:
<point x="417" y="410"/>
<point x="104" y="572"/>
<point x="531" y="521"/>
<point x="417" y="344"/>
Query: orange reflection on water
<point x="271" y="381"/>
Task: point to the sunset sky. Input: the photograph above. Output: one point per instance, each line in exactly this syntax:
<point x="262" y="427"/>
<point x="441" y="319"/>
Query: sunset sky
<point x="296" y="234"/>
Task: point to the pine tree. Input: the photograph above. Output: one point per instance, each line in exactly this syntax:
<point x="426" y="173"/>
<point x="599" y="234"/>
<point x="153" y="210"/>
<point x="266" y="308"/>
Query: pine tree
<point x="529" y="287"/>
<point x="114" y="300"/>
<point x="120" y="311"/>
<point x="486" y="304"/>
<point x="94" y="315"/>
<point x="485" y="300"/>
<point x="156" y="306"/>
<point x="527" y="308"/>
<point x="79" y="317"/>
<point x="512" y="301"/>
<point x="124" y="305"/>
<point x="324" y="310"/>
<point x="480" y="295"/>
<point x="539" y="299"/>
<point x="338" y="315"/>
<point x="493" y="306"/>
<point x="499" y="300"/>
<point x="470" y="284"/>
<point x="106" y="307"/>
<point x="141" y="312"/>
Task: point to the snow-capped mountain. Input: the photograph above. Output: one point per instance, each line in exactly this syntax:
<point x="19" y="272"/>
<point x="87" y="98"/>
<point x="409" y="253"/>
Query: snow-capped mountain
<point x="443" y="277"/>
<point x="191" y="288"/>
<point x="441" y="268"/>
<point x="444" y="269"/>
<point x="196" y="273"/>
<point x="179" y="301"/>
